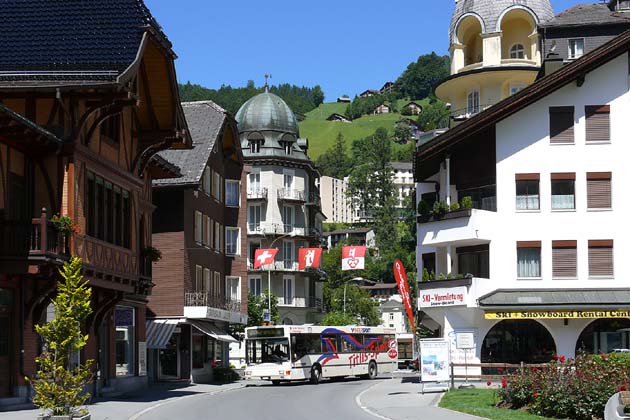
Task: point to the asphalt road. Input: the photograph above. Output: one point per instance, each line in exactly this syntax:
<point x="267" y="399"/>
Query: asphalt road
<point x="328" y="400"/>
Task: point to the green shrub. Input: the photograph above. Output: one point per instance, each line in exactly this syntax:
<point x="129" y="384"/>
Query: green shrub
<point x="440" y="208"/>
<point x="455" y="206"/>
<point x="423" y="208"/>
<point x="576" y="389"/>
<point x="467" y="202"/>
<point x="224" y="375"/>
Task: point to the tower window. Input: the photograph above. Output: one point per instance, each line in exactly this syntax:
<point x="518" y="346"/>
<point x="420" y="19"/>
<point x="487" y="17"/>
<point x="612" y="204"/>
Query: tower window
<point x="517" y="51"/>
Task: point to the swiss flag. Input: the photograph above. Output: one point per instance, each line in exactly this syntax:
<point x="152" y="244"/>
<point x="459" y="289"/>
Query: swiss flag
<point x="309" y="257"/>
<point x="264" y="257"/>
<point x="353" y="257"/>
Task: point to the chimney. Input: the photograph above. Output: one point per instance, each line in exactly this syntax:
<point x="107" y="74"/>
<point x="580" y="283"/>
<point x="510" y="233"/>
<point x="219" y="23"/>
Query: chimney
<point x="552" y="62"/>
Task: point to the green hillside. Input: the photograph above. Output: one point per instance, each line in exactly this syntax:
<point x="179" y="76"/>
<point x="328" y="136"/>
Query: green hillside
<point x="321" y="134"/>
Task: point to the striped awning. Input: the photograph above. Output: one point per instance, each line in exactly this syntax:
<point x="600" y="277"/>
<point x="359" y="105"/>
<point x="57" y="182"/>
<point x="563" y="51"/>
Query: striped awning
<point x="159" y="332"/>
<point x="212" y="331"/>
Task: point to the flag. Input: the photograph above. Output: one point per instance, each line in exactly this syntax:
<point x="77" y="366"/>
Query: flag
<point x="264" y="257"/>
<point x="309" y="258"/>
<point x="403" y="287"/>
<point x="353" y="257"/>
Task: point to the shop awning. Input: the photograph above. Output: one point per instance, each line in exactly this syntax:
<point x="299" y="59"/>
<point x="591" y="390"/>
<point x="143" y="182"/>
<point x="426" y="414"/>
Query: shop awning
<point x="159" y="331"/>
<point x="212" y="331"/>
<point x="556" y="299"/>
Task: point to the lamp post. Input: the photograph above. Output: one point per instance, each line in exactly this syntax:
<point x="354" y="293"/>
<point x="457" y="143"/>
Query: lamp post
<point x="292" y="234"/>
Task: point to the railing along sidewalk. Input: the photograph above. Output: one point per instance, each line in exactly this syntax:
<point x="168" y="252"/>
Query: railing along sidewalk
<point x="506" y="367"/>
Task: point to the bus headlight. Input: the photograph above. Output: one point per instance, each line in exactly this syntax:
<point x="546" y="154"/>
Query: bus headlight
<point x="248" y="373"/>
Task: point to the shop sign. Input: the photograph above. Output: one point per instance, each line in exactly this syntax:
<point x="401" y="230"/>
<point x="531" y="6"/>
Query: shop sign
<point x="434" y="360"/>
<point x="582" y="314"/>
<point x="465" y="340"/>
<point x="434" y="298"/>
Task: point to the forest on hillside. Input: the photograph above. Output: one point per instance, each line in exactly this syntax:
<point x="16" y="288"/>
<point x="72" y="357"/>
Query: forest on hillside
<point x="300" y="99"/>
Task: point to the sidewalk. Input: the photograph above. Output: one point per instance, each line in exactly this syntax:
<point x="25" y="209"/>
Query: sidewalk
<point x="400" y="399"/>
<point x="126" y="406"/>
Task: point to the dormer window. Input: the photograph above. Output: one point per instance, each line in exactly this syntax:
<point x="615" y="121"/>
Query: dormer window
<point x="256" y="140"/>
<point x="287" y="143"/>
<point x="576" y="48"/>
<point x="517" y="51"/>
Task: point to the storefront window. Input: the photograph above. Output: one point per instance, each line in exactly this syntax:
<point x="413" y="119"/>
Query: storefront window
<point x="604" y="336"/>
<point x="215" y="352"/>
<point x="125" y="340"/>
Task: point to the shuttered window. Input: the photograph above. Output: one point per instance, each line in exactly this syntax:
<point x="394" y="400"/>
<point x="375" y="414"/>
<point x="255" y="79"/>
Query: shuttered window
<point x="564" y="259"/>
<point x="198" y="227"/>
<point x="598" y="190"/>
<point x="561" y="119"/>
<point x="600" y="258"/>
<point x="597" y="123"/>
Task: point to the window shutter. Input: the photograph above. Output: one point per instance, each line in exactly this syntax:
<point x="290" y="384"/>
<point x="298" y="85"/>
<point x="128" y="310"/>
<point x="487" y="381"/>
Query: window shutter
<point x="561" y="120"/>
<point x="564" y="259"/>
<point x="600" y="258"/>
<point x="598" y="123"/>
<point x="598" y="189"/>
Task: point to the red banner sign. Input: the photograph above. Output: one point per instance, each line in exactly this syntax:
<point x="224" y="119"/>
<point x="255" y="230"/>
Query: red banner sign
<point x="309" y="257"/>
<point x="403" y="287"/>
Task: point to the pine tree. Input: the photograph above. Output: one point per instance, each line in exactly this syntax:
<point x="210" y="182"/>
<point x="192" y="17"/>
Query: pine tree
<point x="59" y="386"/>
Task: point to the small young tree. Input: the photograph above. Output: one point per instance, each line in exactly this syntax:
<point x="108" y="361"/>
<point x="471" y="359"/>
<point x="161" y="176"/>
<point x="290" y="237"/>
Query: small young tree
<point x="59" y="386"/>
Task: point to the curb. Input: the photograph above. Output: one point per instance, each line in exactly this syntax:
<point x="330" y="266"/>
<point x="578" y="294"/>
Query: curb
<point x="365" y="408"/>
<point x="172" y="400"/>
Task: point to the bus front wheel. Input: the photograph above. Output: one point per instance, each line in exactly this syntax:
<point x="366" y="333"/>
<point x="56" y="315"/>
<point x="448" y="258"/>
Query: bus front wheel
<point x="372" y="370"/>
<point x="316" y="375"/>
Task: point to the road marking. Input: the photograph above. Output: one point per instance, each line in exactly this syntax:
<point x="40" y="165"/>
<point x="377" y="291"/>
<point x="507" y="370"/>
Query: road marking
<point x="365" y="408"/>
<point x="173" y="399"/>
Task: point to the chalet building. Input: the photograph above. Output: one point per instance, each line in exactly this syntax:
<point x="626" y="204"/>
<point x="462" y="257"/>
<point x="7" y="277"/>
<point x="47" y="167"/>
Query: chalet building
<point x="537" y="266"/>
<point x="387" y="87"/>
<point x="81" y="118"/>
<point x="200" y="227"/>
<point x="582" y="28"/>
<point x="358" y="236"/>
<point x="495" y="52"/>
<point x="382" y="109"/>
<point x="283" y="206"/>
<point x="345" y="99"/>
<point x="414" y="107"/>
<point x="338" y="117"/>
<point x="368" y="93"/>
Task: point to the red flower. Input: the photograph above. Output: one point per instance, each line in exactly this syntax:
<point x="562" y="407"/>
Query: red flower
<point x="488" y="383"/>
<point x="535" y="369"/>
<point x="604" y="357"/>
<point x="500" y="370"/>
<point x="561" y="359"/>
<point x="621" y="388"/>
<point x="503" y="383"/>
<point x="535" y="394"/>
<point x="555" y="357"/>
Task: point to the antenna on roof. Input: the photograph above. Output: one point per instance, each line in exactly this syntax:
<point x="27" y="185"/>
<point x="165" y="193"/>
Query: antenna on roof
<point x="267" y="77"/>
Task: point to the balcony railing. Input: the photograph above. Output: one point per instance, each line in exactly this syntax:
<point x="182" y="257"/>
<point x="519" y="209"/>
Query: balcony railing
<point x="300" y="301"/>
<point x="35" y="240"/>
<point x="257" y="194"/>
<point x="277" y="229"/>
<point x="290" y="194"/>
<point x="466" y="113"/>
<point x="207" y="299"/>
<point x="276" y="266"/>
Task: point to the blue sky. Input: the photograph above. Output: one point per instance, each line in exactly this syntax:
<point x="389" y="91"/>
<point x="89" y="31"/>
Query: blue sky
<point x="345" y="46"/>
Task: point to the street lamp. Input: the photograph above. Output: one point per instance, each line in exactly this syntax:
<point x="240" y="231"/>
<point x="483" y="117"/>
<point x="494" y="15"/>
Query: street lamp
<point x="292" y="234"/>
<point x="356" y="279"/>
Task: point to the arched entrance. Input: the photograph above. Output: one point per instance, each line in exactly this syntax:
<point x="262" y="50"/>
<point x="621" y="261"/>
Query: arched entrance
<point x="603" y="336"/>
<point x="287" y="321"/>
<point x="515" y="341"/>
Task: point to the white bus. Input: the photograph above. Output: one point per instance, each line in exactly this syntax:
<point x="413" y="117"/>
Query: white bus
<point x="304" y="352"/>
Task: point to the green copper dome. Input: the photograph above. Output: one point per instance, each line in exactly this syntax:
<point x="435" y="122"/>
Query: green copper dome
<point x="266" y="112"/>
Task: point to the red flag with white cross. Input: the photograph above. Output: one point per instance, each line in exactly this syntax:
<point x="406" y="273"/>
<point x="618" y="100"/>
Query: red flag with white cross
<point x="264" y="257"/>
<point x="353" y="257"/>
<point x="309" y="258"/>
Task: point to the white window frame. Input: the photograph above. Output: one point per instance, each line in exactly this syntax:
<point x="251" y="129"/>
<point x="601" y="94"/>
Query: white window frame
<point x="238" y="192"/>
<point x="230" y="229"/>
<point x="198" y="227"/>
<point x="514" y="49"/>
<point x="228" y="288"/>
<point x="251" y="287"/>
<point x="473" y="108"/>
<point x="291" y="295"/>
<point x="288" y="227"/>
<point x="254" y="225"/>
<point x="216" y="186"/>
<point x="285" y="176"/>
<point x="573" y="55"/>
<point x="288" y="263"/>
<point x="253" y="182"/>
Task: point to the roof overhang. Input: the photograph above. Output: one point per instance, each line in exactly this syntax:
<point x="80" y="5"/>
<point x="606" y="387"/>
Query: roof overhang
<point x="24" y="134"/>
<point x="567" y="300"/>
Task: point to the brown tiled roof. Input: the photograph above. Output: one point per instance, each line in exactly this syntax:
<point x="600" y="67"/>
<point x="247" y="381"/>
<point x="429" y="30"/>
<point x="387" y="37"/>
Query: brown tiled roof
<point x="588" y="14"/>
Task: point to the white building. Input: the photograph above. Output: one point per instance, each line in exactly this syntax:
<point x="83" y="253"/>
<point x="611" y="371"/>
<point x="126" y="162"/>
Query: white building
<point x="393" y="314"/>
<point x="283" y="205"/>
<point x="403" y="181"/>
<point x="539" y="263"/>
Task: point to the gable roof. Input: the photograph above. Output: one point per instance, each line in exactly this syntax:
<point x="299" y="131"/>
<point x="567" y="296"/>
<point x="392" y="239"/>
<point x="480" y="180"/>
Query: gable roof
<point x="401" y="166"/>
<point x="205" y="122"/>
<point x="73" y="41"/>
<point x="574" y="71"/>
<point x="587" y="14"/>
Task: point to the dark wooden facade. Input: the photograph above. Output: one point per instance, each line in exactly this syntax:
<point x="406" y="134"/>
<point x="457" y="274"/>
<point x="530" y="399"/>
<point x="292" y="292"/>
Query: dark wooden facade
<point x="82" y="150"/>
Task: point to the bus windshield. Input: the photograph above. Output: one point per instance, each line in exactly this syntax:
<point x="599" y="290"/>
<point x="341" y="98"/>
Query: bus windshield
<point x="267" y="350"/>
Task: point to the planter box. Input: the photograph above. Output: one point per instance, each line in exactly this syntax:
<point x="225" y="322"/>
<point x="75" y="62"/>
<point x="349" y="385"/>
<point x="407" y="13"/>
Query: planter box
<point x="455" y="214"/>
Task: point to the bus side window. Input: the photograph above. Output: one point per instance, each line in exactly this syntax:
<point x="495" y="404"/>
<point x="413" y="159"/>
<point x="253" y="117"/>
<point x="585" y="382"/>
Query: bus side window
<point x="351" y="343"/>
<point x="330" y="343"/>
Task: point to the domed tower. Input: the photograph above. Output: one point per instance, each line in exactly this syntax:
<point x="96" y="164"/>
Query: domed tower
<point x="494" y="50"/>
<point x="283" y="206"/>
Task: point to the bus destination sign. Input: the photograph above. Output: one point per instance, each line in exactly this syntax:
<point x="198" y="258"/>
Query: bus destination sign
<point x="265" y="333"/>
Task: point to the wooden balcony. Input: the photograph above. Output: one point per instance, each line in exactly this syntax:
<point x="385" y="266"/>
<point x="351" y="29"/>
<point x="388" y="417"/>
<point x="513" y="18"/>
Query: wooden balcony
<point x="23" y="244"/>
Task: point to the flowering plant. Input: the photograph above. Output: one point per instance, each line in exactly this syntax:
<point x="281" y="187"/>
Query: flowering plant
<point x="152" y="253"/>
<point x="64" y="224"/>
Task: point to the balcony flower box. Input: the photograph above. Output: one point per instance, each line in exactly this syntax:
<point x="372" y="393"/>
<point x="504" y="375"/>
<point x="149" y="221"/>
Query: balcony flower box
<point x="456" y="214"/>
